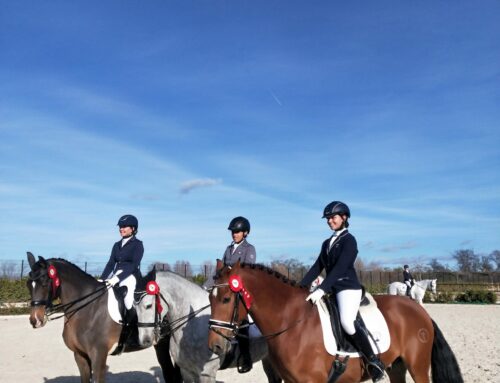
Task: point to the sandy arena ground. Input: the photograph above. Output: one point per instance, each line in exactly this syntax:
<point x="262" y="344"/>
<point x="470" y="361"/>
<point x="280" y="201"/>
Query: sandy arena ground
<point x="36" y="356"/>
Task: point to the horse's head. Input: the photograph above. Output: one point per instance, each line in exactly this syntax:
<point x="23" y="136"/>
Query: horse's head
<point x="433" y="285"/>
<point x="42" y="284"/>
<point x="227" y="305"/>
<point x="149" y="308"/>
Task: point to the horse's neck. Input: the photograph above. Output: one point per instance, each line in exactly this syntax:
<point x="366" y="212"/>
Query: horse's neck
<point x="74" y="283"/>
<point x="182" y="298"/>
<point x="272" y="299"/>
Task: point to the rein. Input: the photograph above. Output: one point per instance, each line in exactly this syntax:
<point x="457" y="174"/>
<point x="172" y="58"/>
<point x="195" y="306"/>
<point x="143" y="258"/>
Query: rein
<point x="51" y="309"/>
<point x="234" y="326"/>
<point x="165" y="326"/>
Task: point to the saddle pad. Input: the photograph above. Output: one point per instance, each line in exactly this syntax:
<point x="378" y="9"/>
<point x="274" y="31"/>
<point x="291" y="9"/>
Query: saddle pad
<point x="113" y="309"/>
<point x="374" y="321"/>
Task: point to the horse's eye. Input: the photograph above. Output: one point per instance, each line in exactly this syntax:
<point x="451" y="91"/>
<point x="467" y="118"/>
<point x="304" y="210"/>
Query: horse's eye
<point x="149" y="306"/>
<point x="226" y="300"/>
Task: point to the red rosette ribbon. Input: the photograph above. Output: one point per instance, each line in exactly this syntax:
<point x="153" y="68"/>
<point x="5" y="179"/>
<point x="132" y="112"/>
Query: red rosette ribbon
<point x="236" y="285"/>
<point x="152" y="288"/>
<point x="56" y="282"/>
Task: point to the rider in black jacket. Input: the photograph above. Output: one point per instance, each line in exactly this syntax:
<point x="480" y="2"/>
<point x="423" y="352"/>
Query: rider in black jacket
<point x="337" y="257"/>
<point x="124" y="263"/>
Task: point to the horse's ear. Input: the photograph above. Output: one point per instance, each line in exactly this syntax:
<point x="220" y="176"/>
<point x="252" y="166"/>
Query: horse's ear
<point x="42" y="260"/>
<point x="153" y="273"/>
<point x="219" y="265"/>
<point x="237" y="265"/>
<point x="31" y="259"/>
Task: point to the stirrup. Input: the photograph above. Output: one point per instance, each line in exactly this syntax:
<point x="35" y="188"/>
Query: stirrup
<point x="375" y="368"/>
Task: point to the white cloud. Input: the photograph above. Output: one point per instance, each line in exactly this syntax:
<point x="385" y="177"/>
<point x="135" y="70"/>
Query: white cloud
<point x="197" y="183"/>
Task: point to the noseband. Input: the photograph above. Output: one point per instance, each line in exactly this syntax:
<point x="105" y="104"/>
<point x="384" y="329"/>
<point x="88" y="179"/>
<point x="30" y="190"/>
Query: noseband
<point x="234" y="326"/>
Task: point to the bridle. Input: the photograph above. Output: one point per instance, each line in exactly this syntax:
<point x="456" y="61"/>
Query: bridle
<point x="234" y="326"/>
<point x="54" y="283"/>
<point x="67" y="309"/>
<point x="163" y="327"/>
<point x="236" y="286"/>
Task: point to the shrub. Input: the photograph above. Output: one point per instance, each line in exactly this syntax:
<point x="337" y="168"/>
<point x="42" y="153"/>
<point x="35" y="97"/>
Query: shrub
<point x="13" y="291"/>
<point x="476" y="296"/>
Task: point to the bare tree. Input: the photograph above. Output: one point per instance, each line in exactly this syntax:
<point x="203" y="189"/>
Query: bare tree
<point x="160" y="266"/>
<point x="8" y="269"/>
<point x="183" y="268"/>
<point x="467" y="260"/>
<point x="437" y="266"/>
<point x="208" y="269"/>
<point x="495" y="258"/>
<point x="485" y="264"/>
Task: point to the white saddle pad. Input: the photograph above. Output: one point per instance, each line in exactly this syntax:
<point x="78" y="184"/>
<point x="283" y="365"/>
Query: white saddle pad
<point x="374" y="321"/>
<point x="113" y="310"/>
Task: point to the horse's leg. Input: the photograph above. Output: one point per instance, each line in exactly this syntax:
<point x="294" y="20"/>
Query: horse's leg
<point x="98" y="361"/>
<point x="271" y="373"/>
<point x="418" y="362"/>
<point x="171" y="373"/>
<point x="83" y="364"/>
<point x="397" y="372"/>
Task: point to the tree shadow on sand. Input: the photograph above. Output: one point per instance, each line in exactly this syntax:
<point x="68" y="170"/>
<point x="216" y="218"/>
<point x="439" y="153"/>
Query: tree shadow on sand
<point x="122" y="377"/>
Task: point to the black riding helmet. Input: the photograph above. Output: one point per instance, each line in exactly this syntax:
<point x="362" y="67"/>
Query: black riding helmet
<point x="336" y="207"/>
<point x="239" y="224"/>
<point x="129" y="220"/>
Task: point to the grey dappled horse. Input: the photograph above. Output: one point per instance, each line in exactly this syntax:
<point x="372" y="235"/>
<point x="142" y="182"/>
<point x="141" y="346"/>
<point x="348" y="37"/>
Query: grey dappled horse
<point x="417" y="292"/>
<point x="184" y="315"/>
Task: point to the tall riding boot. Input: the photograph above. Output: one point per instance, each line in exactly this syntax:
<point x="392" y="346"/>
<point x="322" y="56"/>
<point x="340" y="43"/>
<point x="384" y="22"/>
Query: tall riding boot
<point x="245" y="359"/>
<point x="374" y="366"/>
<point x="408" y="291"/>
<point x="130" y="317"/>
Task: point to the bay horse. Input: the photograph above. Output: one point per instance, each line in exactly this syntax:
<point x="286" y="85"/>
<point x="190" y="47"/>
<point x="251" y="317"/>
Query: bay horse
<point x="294" y="335"/>
<point x="89" y="330"/>
<point x="168" y="304"/>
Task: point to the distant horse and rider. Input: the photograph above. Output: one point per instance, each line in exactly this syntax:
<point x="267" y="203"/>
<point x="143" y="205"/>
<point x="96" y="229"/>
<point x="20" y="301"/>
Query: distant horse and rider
<point x="411" y="288"/>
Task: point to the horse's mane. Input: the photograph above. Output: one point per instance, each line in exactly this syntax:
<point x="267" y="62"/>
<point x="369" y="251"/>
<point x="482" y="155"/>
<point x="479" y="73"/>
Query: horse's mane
<point x="264" y="268"/>
<point x="66" y="262"/>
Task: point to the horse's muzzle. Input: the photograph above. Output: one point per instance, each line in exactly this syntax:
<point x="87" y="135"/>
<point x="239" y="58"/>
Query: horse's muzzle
<point x="38" y="318"/>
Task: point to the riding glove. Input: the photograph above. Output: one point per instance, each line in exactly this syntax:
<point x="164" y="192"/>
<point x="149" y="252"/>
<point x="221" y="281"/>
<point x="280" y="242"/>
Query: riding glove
<point x="315" y="296"/>
<point x="113" y="281"/>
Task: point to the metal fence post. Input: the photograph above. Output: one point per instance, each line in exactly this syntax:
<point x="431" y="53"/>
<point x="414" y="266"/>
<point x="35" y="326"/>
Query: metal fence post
<point x="22" y="268"/>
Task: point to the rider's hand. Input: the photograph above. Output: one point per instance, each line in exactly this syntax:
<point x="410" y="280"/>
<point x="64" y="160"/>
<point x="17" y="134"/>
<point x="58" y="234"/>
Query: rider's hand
<point x="113" y="281"/>
<point x="315" y="296"/>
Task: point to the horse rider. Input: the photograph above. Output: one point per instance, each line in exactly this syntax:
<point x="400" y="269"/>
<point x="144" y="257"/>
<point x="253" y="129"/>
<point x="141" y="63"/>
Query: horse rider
<point x="408" y="279"/>
<point x="241" y="250"/>
<point x="337" y="256"/>
<point x="123" y="267"/>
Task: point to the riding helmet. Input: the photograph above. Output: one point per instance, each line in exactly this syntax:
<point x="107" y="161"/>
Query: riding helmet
<point x="336" y="207"/>
<point x="239" y="224"/>
<point x="128" y="220"/>
<point x="406" y="267"/>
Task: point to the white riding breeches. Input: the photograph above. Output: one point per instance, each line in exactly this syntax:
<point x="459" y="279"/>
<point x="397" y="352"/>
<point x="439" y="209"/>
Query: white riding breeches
<point x="130" y="282"/>
<point x="408" y="283"/>
<point x="348" y="302"/>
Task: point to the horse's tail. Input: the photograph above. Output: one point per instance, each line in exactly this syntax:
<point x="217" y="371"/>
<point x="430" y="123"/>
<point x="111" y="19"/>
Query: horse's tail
<point x="445" y="367"/>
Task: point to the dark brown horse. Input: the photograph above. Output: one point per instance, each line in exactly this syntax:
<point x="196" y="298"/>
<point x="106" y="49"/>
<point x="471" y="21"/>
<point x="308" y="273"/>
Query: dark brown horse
<point x="89" y="330"/>
<point x="294" y="332"/>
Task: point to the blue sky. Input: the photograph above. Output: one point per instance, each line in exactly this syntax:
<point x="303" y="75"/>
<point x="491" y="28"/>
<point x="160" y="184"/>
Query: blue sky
<point x="189" y="113"/>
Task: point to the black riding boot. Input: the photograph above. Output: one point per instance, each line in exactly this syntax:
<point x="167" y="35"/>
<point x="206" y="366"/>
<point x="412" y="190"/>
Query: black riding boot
<point x="130" y="317"/>
<point x="408" y="291"/>
<point x="245" y="359"/>
<point x="374" y="366"/>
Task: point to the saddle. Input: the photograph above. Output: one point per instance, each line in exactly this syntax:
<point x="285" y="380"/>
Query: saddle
<point x="129" y="336"/>
<point x="369" y="317"/>
<point x="342" y="339"/>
